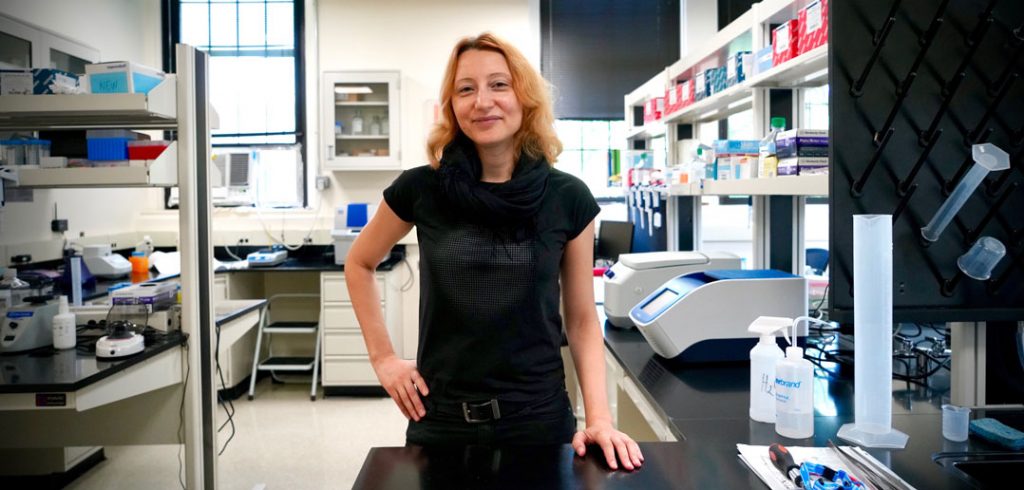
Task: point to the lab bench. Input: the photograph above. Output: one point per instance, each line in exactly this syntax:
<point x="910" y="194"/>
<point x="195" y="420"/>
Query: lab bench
<point x="687" y="420"/>
<point x="56" y="406"/>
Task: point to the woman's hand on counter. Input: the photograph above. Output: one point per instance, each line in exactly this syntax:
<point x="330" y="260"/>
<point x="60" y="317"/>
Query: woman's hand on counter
<point x="612" y="442"/>
<point x="404" y="385"/>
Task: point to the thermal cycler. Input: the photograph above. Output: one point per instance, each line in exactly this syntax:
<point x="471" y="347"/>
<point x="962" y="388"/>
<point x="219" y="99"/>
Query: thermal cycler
<point x="634" y="276"/>
<point x="703" y="316"/>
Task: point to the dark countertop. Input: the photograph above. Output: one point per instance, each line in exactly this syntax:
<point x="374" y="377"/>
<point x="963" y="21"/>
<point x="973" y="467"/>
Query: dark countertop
<point x="49" y="369"/>
<point x="317" y="264"/>
<point x="52" y="370"/>
<point x="707" y="409"/>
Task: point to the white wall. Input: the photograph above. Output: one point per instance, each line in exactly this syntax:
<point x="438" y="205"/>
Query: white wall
<point x="120" y="30"/>
<point x="413" y="37"/>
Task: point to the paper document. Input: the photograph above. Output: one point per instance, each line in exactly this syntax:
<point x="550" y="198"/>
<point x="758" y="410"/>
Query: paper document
<point x="757" y="459"/>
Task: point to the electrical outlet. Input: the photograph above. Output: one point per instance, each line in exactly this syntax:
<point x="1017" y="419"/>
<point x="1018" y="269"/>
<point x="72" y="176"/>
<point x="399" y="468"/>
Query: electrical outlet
<point x="323" y="183"/>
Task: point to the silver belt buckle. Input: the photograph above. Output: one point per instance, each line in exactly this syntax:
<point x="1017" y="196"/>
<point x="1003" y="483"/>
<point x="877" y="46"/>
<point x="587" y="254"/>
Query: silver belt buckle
<point x="468" y="415"/>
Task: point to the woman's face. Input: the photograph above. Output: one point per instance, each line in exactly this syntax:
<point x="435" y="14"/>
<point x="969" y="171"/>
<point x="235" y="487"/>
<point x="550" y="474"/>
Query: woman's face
<point x="485" y="105"/>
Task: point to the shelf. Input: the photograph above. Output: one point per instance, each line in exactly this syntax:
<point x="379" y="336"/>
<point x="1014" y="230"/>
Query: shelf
<point x="786" y="185"/>
<point x="162" y="172"/>
<point x="715" y="50"/>
<point x="807" y="70"/>
<point x="684" y="190"/>
<point x="361" y="137"/>
<point x="156" y="110"/>
<point x="361" y="104"/>
<point x="649" y="130"/>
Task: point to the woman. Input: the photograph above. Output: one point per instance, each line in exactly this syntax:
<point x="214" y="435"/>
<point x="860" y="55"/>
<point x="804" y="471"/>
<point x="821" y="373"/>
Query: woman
<point x="498" y="228"/>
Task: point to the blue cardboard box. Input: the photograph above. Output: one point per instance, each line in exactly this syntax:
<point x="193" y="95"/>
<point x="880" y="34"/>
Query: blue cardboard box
<point x="738" y="67"/>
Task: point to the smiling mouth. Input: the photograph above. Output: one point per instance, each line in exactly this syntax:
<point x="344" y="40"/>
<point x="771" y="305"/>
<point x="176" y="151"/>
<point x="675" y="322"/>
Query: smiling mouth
<point x="487" y="119"/>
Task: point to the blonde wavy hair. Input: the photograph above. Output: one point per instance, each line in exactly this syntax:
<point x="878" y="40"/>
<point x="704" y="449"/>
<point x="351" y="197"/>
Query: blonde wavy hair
<point x="536" y="136"/>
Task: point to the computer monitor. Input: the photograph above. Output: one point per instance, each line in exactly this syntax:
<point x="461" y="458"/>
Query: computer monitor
<point x="614" y="238"/>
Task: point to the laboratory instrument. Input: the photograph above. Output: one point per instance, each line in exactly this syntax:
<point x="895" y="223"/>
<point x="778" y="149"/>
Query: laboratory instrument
<point x="987" y="158"/>
<point x="763" y="358"/>
<point x="872" y="327"/>
<point x="102" y="262"/>
<point x="983" y="256"/>
<point x="122" y="340"/>
<point x="267" y="257"/>
<point x="634" y="276"/>
<point x="27" y="326"/>
<point x="65" y="334"/>
<point x="349" y="220"/>
<point x="703" y="316"/>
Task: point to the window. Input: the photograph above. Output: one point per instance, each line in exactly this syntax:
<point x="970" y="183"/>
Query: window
<point x="586" y="152"/>
<point x="256" y="81"/>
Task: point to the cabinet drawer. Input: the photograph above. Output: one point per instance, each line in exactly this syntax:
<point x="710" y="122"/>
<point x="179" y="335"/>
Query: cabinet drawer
<point x="341" y="316"/>
<point x="344" y="343"/>
<point x="349" y="371"/>
<point x="333" y="288"/>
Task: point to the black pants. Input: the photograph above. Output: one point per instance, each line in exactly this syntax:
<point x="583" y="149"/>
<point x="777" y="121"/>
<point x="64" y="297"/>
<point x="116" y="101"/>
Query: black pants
<point x="550" y="421"/>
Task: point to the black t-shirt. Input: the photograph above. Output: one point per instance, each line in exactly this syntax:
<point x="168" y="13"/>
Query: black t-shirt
<point x="489" y="320"/>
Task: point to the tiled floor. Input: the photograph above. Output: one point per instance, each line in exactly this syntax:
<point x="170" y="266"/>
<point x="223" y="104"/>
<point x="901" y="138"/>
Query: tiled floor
<point x="282" y="441"/>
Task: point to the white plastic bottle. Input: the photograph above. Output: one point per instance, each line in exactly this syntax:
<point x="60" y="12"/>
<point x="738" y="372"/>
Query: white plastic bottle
<point x="794" y="393"/>
<point x="763" y="358"/>
<point x="64" y="334"/>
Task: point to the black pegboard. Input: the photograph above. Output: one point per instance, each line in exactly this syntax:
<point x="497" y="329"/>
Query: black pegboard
<point x="913" y="84"/>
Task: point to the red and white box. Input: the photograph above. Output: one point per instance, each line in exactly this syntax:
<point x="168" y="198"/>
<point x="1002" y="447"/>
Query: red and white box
<point x="654" y="109"/>
<point x="685" y="94"/>
<point x="671" y="100"/>
<point x="785" y="42"/>
<point x="813" y="25"/>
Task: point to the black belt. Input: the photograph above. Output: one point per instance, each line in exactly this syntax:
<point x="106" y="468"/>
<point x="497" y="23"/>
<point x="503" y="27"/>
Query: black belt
<point x="479" y="411"/>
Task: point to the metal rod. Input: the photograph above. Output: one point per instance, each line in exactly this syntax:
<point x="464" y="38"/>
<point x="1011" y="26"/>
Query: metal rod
<point x="879" y="41"/>
<point x="946" y="99"/>
<point x="997" y="86"/>
<point x="902" y="205"/>
<point x="901" y="95"/>
<point x="879" y="37"/>
<point x="972" y="136"/>
<point x="858" y="186"/>
<point x="949" y="285"/>
<point x="986" y="19"/>
<point x="933" y="28"/>
<point x="973" y="235"/>
<point x="905" y="185"/>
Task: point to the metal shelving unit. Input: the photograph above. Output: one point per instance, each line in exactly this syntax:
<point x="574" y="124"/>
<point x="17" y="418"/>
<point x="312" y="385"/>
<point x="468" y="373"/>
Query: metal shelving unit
<point x="810" y="69"/>
<point x="179" y="103"/>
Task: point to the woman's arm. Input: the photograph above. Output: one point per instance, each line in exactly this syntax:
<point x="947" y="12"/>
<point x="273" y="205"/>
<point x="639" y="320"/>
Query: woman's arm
<point x="587" y="347"/>
<point x="398" y="376"/>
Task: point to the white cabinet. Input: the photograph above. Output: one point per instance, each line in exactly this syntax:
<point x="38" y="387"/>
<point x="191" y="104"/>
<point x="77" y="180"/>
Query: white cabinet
<point x="360" y="112"/>
<point x="344" y="356"/>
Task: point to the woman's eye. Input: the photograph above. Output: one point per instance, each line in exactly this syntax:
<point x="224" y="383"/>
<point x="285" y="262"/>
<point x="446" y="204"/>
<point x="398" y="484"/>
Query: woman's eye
<point x="464" y="90"/>
<point x="501" y="85"/>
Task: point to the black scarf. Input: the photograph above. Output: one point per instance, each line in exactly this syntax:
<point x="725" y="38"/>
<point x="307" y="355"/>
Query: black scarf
<point x="511" y="205"/>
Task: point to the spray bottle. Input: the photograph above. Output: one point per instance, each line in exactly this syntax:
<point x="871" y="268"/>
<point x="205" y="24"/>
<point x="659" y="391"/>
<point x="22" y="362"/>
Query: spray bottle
<point x="794" y="393"/>
<point x="763" y="358"/>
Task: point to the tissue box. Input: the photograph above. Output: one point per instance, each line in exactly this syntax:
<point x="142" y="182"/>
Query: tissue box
<point x="700" y="90"/>
<point x="16" y="82"/>
<point x="802" y="143"/>
<point x="737" y="68"/>
<point x="813" y="25"/>
<point x="44" y="78"/>
<point x="803" y="166"/>
<point x="786" y="42"/>
<point x="122" y="77"/>
<point x="763" y="60"/>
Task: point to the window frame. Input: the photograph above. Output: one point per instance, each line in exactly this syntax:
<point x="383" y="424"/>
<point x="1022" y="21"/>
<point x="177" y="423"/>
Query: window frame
<point x="170" y="11"/>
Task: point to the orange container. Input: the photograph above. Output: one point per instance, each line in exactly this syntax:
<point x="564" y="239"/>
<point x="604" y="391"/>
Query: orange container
<point x="140" y="263"/>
